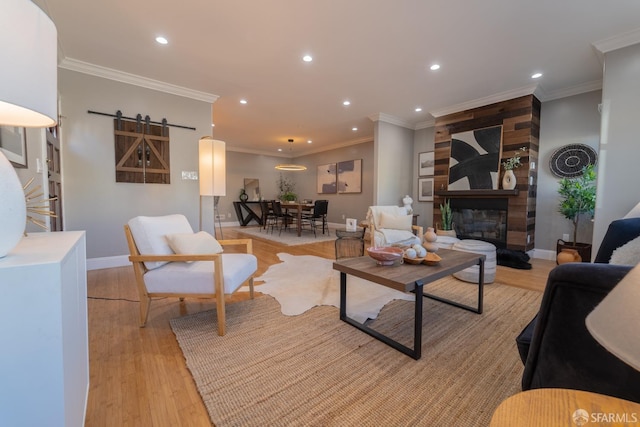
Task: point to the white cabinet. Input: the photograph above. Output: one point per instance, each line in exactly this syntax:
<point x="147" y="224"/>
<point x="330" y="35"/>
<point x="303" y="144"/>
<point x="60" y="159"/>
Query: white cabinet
<point x="44" y="359"/>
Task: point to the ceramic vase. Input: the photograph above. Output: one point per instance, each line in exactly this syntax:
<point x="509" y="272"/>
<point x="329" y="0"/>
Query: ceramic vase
<point x="430" y="238"/>
<point x="568" y="255"/>
<point x="508" y="180"/>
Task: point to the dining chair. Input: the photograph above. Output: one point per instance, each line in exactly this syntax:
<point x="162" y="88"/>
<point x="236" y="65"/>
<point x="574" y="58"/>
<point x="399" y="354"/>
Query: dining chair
<point x="319" y="212"/>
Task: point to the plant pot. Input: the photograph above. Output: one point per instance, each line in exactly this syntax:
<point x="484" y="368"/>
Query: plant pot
<point x="583" y="249"/>
<point x="449" y="233"/>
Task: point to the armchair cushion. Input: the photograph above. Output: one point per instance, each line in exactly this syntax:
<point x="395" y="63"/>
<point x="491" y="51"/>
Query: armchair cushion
<point x="149" y="234"/>
<point x="194" y="243"/>
<point x="171" y="277"/>
<point x="395" y="222"/>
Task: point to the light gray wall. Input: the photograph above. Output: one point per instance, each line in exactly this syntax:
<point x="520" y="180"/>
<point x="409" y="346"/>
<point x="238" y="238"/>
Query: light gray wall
<point x="393" y="163"/>
<point x="423" y="141"/>
<point x="93" y="201"/>
<point x="618" y="189"/>
<point x="571" y="120"/>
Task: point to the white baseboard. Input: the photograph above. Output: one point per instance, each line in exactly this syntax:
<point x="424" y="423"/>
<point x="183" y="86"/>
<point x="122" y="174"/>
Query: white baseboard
<point x="543" y="254"/>
<point x="108" y="262"/>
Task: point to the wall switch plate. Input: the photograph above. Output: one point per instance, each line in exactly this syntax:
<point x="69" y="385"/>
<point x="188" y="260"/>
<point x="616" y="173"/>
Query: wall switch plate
<point x="193" y="175"/>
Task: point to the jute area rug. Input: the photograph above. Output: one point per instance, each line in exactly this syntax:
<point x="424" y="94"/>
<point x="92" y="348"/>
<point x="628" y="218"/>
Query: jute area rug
<point x="315" y="370"/>
<point x="289" y="237"/>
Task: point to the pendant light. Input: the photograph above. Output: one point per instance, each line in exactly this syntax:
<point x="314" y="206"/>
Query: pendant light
<point x="291" y="166"/>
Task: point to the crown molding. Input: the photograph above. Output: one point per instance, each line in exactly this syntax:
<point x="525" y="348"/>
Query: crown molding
<point x="388" y="118"/>
<point x="123" y="77"/>
<point x="303" y="152"/>
<point x="429" y="123"/>
<point x="618" y="42"/>
<point x="544" y="96"/>
<point x="487" y="100"/>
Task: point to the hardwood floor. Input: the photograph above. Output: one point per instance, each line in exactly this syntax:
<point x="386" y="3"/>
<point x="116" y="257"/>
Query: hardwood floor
<point x="138" y="376"/>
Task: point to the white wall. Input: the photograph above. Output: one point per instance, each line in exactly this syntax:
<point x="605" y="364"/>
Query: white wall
<point x="571" y="120"/>
<point x="393" y="163"/>
<point x="423" y="141"/>
<point x="618" y="189"/>
<point x="93" y="201"/>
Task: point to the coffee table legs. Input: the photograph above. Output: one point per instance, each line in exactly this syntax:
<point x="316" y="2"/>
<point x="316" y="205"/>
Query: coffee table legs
<point x="416" y="351"/>
<point x="477" y="309"/>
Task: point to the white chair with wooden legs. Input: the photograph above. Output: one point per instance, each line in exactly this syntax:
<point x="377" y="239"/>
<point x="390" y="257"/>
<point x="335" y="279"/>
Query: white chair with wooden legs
<point x="170" y="260"/>
<point x="392" y="226"/>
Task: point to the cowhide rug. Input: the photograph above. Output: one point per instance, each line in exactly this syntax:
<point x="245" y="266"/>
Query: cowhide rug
<point x="302" y="282"/>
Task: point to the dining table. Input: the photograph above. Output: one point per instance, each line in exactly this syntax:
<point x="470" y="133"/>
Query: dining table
<point x="298" y="207"/>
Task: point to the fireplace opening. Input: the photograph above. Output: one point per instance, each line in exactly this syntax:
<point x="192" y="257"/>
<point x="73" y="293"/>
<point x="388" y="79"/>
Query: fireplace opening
<point x="481" y="219"/>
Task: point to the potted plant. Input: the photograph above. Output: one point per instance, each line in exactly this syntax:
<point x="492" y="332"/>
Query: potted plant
<point x="577" y="198"/>
<point x="447" y="220"/>
<point x="286" y="188"/>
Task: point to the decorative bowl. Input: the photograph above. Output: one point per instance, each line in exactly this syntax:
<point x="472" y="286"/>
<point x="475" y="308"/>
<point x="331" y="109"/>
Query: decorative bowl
<point x="414" y="261"/>
<point x="385" y="255"/>
<point x="432" y="259"/>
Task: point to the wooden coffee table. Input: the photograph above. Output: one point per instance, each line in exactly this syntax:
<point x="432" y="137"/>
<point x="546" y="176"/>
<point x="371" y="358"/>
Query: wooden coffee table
<point x="408" y="278"/>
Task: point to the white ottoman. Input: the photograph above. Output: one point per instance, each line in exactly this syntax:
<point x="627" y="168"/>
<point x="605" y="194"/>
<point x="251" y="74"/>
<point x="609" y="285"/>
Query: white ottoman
<point x="470" y="274"/>
<point x="446" y="242"/>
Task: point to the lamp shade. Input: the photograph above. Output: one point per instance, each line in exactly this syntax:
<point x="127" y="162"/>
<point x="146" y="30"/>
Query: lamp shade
<point x="614" y="322"/>
<point x="212" y="167"/>
<point x="28" y="75"/>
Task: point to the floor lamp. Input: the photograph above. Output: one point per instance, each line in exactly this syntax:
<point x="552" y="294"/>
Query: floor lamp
<point x="28" y="98"/>
<point x="212" y="173"/>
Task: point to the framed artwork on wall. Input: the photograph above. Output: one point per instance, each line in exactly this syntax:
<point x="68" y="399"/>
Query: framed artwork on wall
<point x="425" y="163"/>
<point x="13" y="143"/>
<point x="474" y="163"/>
<point x="425" y="189"/>
<point x="350" y="176"/>
<point x="326" y="179"/>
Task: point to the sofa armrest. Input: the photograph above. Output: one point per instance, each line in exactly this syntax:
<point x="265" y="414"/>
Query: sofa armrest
<point x="563" y="353"/>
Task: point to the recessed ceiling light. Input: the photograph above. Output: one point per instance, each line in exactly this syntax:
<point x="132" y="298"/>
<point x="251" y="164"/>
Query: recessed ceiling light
<point x="279" y="149"/>
<point x="162" y="40"/>
<point x="213" y="125"/>
<point x="434" y="67"/>
<point x="345" y="103"/>
<point x="536" y="75"/>
<point x="307" y="58"/>
<point x="243" y="101"/>
<point x="309" y="141"/>
<point x="418" y="109"/>
<point x="354" y="129"/>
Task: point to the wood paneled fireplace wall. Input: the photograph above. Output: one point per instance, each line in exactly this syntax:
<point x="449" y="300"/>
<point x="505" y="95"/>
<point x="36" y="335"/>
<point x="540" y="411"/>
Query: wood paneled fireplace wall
<point x="520" y="121"/>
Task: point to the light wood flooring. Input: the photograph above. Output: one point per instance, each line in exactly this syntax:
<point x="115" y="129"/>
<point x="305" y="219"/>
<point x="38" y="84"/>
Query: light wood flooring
<point x="138" y="376"/>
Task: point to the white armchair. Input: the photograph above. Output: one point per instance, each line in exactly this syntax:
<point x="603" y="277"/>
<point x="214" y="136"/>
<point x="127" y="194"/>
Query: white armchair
<point x="170" y="260"/>
<point x="392" y="226"/>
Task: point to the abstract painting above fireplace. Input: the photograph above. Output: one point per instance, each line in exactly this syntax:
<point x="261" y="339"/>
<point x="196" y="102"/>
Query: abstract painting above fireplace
<point x="474" y="162"/>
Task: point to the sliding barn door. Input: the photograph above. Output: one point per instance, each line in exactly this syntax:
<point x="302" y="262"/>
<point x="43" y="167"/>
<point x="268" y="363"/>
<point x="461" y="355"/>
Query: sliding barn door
<point x="142" y="152"/>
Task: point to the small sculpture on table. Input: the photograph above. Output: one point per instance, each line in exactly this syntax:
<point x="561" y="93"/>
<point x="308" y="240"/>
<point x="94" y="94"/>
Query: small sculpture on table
<point x="430" y="238"/>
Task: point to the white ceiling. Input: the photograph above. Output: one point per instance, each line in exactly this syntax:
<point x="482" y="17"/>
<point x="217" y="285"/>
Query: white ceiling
<point x="375" y="53"/>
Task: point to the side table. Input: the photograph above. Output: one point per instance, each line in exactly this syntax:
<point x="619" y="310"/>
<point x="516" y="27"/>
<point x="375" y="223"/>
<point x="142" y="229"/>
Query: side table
<point x="349" y="244"/>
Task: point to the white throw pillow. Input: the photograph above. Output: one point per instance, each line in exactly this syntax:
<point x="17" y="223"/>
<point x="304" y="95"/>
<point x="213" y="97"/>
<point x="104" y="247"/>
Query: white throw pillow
<point x="627" y="254"/>
<point x="149" y="231"/>
<point x="396" y="222"/>
<point x="200" y="243"/>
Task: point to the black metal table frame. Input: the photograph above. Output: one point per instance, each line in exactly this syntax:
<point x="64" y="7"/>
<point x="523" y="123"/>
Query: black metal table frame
<point x="416" y="351"/>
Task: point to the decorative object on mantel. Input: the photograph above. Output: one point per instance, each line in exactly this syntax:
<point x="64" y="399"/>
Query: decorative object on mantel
<point x="577" y="198"/>
<point x="29" y="91"/>
<point x="570" y="160"/>
<point x="509" y="179"/>
<point x="447" y="220"/>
